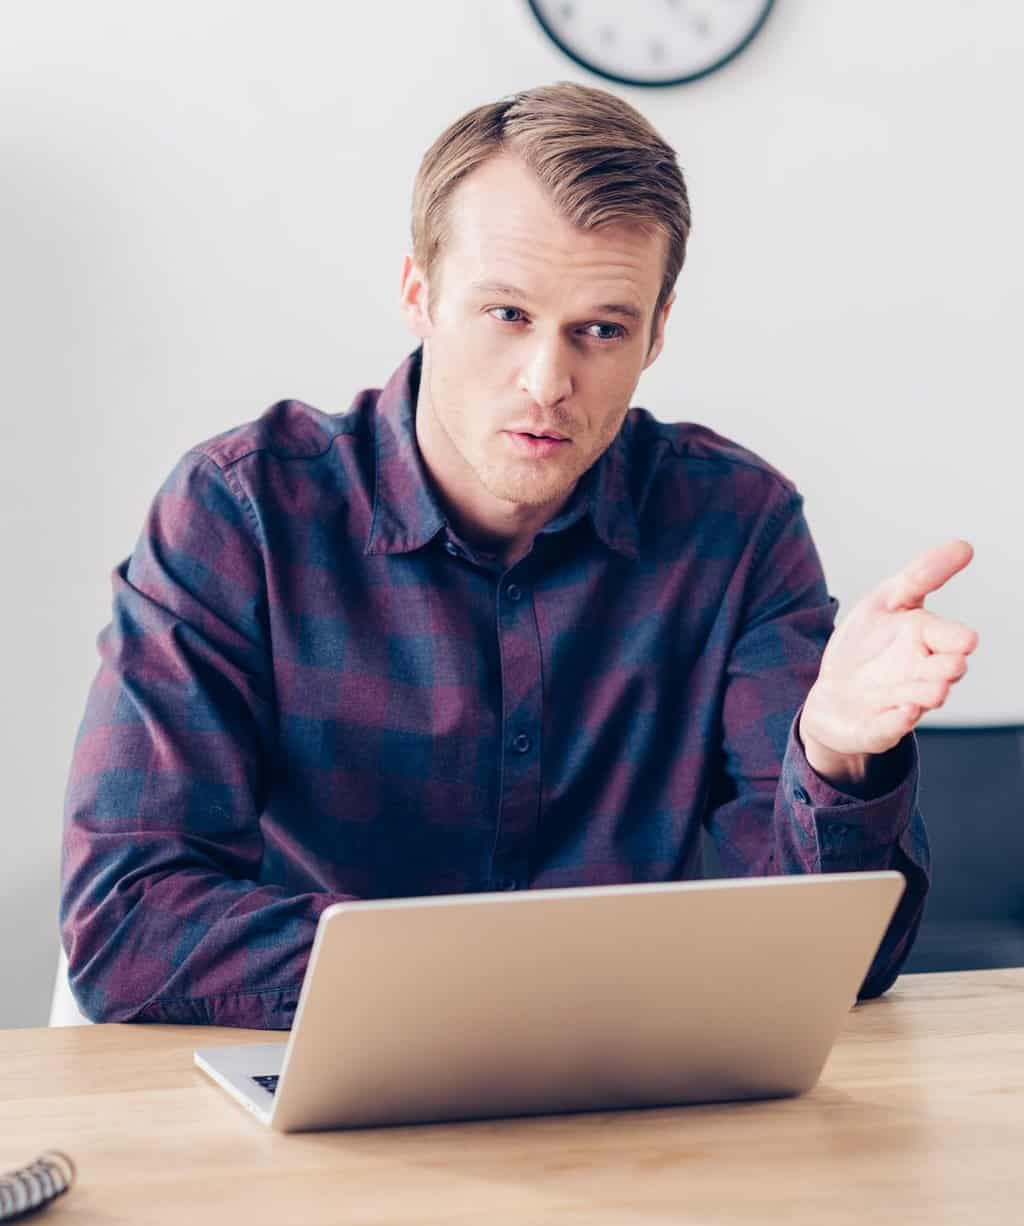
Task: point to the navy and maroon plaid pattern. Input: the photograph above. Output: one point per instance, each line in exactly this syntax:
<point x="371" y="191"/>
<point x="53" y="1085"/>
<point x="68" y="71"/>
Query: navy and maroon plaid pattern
<point x="313" y="690"/>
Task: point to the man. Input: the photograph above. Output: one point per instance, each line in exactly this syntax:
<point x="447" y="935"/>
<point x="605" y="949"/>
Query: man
<point x="490" y="629"/>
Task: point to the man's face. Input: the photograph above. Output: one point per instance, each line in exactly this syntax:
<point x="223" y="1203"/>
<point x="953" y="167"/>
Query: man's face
<point x="535" y="335"/>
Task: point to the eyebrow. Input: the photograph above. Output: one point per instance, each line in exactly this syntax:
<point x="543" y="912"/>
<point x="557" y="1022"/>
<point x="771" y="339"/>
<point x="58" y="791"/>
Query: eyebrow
<point x="626" y="309"/>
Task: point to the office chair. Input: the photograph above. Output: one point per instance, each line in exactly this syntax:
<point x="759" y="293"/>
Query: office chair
<point x="64" y="1009"/>
<point x="972" y="798"/>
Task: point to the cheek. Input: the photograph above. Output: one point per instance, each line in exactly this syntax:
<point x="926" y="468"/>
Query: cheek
<point x="609" y="396"/>
<point x="472" y="359"/>
<point x="458" y="400"/>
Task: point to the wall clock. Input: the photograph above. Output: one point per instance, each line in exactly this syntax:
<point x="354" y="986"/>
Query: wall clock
<point x="651" y="42"/>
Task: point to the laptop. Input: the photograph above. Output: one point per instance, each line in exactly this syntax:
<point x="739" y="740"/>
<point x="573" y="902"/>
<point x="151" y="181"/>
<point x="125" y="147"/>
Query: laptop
<point x="467" y="1006"/>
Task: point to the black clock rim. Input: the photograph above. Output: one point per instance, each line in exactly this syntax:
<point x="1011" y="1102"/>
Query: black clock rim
<point x="661" y="82"/>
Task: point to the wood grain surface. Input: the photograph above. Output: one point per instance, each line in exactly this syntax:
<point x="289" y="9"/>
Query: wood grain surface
<point x="918" y="1118"/>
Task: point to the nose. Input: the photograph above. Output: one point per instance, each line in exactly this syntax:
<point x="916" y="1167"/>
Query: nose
<point x="547" y="373"/>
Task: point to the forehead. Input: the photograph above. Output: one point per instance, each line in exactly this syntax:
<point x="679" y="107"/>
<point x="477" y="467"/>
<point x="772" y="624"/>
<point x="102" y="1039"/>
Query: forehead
<point x="502" y="227"/>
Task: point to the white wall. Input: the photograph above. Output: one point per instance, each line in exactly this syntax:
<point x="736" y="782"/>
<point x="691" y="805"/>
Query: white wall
<point x="203" y="210"/>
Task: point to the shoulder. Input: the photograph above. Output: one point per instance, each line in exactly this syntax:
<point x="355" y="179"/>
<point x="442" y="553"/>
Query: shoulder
<point x="282" y="463"/>
<point x="287" y="430"/>
<point x="687" y="452"/>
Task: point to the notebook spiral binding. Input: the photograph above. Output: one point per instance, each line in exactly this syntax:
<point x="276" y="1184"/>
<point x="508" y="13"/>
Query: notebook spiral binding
<point x="31" y="1187"/>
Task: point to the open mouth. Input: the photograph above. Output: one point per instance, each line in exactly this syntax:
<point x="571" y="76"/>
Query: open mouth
<point x="536" y="444"/>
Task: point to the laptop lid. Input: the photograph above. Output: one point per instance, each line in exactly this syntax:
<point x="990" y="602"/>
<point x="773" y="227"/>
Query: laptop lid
<point x="473" y="1005"/>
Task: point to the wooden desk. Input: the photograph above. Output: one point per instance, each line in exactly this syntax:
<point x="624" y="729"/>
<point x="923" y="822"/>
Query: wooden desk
<point x="918" y="1118"/>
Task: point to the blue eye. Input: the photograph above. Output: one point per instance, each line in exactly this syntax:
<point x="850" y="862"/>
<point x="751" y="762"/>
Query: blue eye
<point x="617" y="332"/>
<point x="612" y="332"/>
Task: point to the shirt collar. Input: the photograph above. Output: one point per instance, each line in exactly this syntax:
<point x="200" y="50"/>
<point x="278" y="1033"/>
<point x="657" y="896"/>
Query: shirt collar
<point x="406" y="513"/>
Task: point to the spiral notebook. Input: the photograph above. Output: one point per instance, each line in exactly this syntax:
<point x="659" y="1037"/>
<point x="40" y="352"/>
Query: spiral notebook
<point x="30" y="1188"/>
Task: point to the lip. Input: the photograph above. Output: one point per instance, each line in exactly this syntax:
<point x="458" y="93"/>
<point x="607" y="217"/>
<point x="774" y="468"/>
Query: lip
<point x="540" y="431"/>
<point x="527" y="445"/>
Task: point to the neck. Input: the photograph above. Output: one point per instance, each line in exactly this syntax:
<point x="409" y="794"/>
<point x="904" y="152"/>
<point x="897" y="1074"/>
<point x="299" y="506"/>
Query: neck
<point x="498" y="527"/>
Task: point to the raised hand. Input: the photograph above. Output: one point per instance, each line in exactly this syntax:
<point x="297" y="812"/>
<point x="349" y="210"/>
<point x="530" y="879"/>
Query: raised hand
<point x="887" y="663"/>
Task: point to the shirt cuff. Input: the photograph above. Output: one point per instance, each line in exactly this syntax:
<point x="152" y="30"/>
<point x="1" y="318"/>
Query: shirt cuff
<point x="872" y="821"/>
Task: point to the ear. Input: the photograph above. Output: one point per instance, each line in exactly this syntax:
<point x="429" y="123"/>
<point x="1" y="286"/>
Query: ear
<point x="659" y="331"/>
<point x="414" y="298"/>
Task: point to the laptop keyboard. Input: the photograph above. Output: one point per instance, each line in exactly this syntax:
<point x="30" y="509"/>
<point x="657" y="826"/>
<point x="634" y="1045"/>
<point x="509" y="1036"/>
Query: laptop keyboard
<point x="268" y="1083"/>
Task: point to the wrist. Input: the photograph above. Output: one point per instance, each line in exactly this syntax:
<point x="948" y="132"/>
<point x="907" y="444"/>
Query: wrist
<point x="865" y="776"/>
<point x="843" y="771"/>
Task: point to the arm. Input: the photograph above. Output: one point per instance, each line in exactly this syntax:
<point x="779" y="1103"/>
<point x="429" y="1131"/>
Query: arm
<point x="771" y="812"/>
<point x="162" y="914"/>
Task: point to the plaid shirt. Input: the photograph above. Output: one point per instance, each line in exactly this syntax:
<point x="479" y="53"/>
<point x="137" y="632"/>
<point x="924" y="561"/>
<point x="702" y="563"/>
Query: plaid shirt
<point x="313" y="690"/>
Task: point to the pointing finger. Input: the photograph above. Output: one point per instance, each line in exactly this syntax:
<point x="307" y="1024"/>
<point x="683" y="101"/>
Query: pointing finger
<point x="926" y="573"/>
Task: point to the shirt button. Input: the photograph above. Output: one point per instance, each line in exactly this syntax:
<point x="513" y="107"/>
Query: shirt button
<point x="452" y="549"/>
<point x="800" y="795"/>
<point x="521" y="743"/>
<point x="514" y="592"/>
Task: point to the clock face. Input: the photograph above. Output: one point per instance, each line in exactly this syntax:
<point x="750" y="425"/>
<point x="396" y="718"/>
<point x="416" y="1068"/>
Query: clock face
<point x="651" y="42"/>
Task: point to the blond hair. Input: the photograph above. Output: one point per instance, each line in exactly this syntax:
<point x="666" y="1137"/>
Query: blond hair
<point x="598" y="157"/>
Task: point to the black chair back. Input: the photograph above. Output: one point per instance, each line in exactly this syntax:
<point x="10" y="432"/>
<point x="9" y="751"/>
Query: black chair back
<point x="972" y="798"/>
